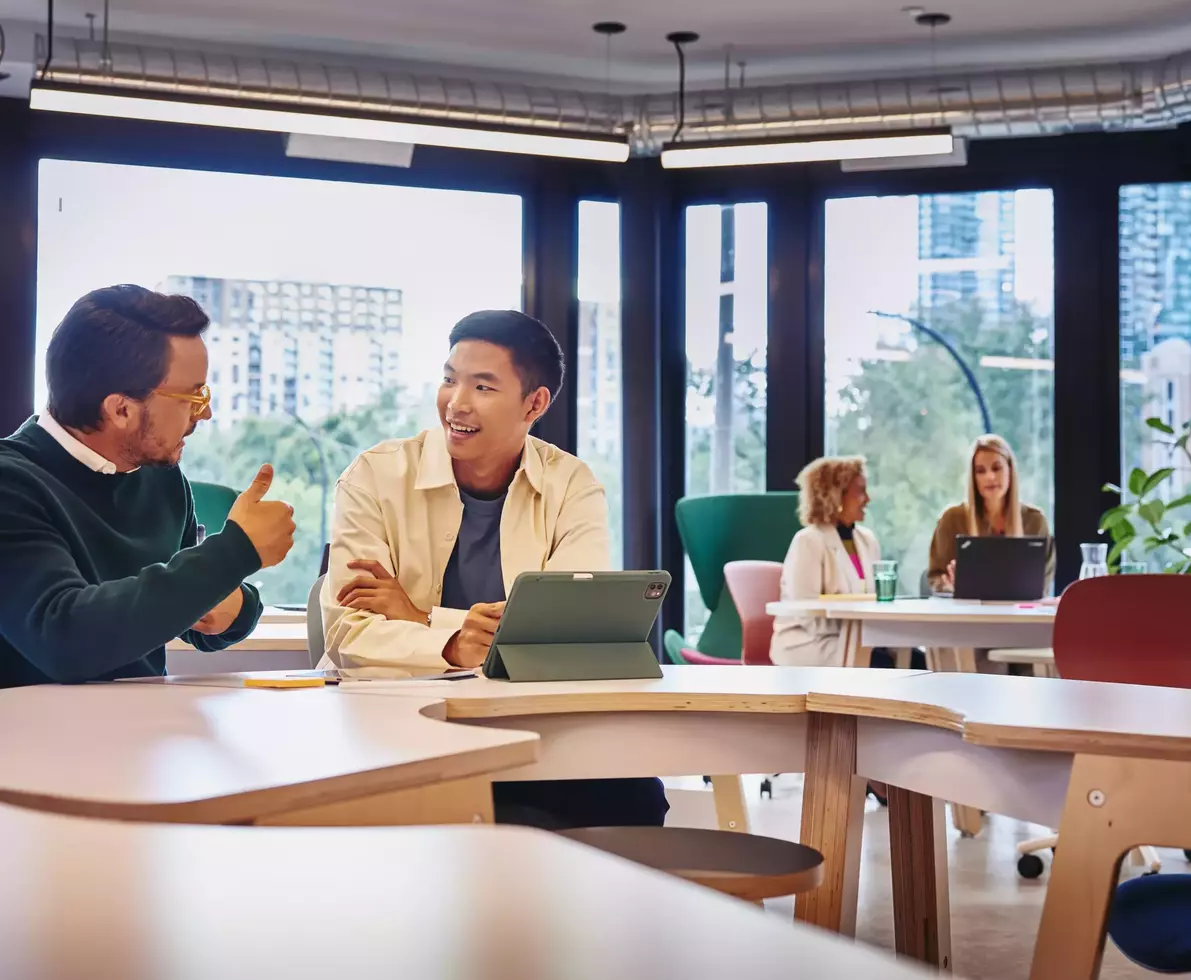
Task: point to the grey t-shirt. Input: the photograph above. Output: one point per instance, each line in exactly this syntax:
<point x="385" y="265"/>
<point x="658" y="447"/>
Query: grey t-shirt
<point x="473" y="574"/>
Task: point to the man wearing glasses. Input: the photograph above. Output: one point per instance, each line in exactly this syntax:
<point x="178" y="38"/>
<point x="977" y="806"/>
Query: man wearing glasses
<point x="99" y="566"/>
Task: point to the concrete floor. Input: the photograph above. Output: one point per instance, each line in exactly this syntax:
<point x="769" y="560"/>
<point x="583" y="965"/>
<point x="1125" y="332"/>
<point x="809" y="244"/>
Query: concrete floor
<point x="994" y="912"/>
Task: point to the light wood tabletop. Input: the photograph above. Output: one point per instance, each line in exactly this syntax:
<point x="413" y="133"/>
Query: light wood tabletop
<point x="685" y="688"/>
<point x="206" y="755"/>
<point x="93" y="900"/>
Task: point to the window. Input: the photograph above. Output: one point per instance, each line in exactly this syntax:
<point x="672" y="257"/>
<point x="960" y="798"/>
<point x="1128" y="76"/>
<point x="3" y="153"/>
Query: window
<point x="598" y="361"/>
<point x="727" y="315"/>
<point x="1155" y="311"/>
<point x="462" y="252"/>
<point x="918" y="290"/>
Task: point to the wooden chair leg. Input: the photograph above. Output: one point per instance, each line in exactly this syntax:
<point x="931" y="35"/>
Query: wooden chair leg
<point x="731" y="811"/>
<point x="918" y="860"/>
<point x="832" y="821"/>
<point x="1112" y="805"/>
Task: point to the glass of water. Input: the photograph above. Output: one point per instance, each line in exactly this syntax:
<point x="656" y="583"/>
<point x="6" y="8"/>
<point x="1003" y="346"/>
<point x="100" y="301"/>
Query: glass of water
<point x="1133" y="567"/>
<point x="885" y="580"/>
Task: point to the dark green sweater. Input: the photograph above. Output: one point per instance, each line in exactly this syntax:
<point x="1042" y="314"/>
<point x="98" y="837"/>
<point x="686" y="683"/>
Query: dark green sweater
<point x="98" y="572"/>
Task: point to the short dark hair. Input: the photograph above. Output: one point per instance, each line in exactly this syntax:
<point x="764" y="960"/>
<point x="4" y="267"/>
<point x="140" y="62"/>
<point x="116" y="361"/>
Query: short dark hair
<point x="536" y="354"/>
<point x="114" y="341"/>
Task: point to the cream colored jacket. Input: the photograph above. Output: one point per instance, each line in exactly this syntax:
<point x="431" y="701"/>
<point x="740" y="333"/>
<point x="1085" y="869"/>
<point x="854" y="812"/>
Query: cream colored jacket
<point x="399" y="504"/>
<point x="817" y="564"/>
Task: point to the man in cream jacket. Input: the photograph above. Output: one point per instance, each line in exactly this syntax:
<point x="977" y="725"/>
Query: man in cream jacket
<point x="431" y="531"/>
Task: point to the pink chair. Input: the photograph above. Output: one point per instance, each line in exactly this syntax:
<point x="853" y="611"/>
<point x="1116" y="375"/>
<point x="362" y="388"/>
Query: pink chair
<point x="753" y="585"/>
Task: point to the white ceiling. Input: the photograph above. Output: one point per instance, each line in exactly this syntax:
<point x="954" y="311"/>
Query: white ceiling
<point x="552" y="39"/>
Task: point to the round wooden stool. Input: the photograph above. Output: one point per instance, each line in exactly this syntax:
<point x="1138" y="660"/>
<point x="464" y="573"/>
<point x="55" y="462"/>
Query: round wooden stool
<point x="745" y="865"/>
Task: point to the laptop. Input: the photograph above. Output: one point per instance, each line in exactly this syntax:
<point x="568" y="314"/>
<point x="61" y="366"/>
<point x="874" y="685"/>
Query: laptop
<point x="997" y="569"/>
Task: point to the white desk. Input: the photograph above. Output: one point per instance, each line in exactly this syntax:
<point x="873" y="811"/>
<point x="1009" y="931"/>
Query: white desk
<point x="934" y="622"/>
<point x="92" y="900"/>
<point x="1032" y="748"/>
<point x="177" y="753"/>
<point x="277" y="645"/>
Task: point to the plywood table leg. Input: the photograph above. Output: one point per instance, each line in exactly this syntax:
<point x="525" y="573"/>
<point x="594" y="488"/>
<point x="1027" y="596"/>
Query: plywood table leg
<point x="832" y="821"/>
<point x="731" y="812"/>
<point x="449" y="802"/>
<point x="1112" y="806"/>
<point x="918" y="859"/>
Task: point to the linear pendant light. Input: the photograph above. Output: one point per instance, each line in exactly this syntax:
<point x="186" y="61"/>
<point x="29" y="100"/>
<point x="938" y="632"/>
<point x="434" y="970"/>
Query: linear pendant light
<point x="859" y="147"/>
<point x="92" y="102"/>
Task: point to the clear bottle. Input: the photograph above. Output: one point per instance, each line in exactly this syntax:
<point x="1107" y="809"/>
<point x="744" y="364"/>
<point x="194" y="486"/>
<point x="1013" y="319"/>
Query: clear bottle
<point x="1095" y="560"/>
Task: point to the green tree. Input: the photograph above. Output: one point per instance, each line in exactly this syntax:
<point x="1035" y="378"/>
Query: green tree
<point x="915" y="419"/>
<point x="748" y="448"/>
<point x="231" y="456"/>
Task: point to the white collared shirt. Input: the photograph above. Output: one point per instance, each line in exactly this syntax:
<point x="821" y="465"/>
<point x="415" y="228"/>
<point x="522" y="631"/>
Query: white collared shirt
<point x="84" y="454"/>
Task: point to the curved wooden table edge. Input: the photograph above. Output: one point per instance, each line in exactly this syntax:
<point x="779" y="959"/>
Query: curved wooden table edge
<point x="254" y="805"/>
<point x="612" y="702"/>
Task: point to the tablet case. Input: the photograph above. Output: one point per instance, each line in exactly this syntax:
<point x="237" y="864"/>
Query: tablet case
<point x="578" y="626"/>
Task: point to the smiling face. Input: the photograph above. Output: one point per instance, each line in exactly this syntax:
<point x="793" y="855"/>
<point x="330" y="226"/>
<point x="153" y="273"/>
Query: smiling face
<point x="854" y="502"/>
<point x="482" y="405"/>
<point x="992" y="474"/>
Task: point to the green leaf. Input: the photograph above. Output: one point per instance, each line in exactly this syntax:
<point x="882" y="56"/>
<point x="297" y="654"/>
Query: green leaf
<point x="1179" y="502"/>
<point x="1151" y="511"/>
<point x="1137" y="480"/>
<point x="1110" y="488"/>
<point x="1156" y="423"/>
<point x="1118" y="549"/>
<point x="1114" y="516"/>
<point x="1155" y="479"/>
<point x="1181" y="441"/>
<point x="1187" y="531"/>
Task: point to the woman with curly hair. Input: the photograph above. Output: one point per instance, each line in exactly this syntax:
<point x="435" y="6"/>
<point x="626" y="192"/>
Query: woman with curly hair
<point x="831" y="555"/>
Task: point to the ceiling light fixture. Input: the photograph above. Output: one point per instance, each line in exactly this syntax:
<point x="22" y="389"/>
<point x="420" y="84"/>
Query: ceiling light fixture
<point x="809" y="150"/>
<point x="270" y="119"/>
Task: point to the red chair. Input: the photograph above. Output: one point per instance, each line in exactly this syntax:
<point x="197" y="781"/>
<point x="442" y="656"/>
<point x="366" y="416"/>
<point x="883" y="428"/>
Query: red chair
<point x="1123" y="629"/>
<point x="1127" y="629"/>
<point x="753" y="585"/>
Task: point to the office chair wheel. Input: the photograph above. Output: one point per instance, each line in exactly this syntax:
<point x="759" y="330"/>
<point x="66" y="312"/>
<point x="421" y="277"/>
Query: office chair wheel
<point x="767" y="788"/>
<point x="882" y="800"/>
<point x="706" y="780"/>
<point x="1030" y="866"/>
<point x="1187" y="853"/>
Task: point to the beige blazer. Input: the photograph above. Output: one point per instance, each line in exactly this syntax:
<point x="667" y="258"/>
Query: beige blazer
<point x="399" y="504"/>
<point x="817" y="564"/>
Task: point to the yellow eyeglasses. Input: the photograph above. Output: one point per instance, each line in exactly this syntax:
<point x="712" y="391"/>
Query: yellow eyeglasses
<point x="199" y="400"/>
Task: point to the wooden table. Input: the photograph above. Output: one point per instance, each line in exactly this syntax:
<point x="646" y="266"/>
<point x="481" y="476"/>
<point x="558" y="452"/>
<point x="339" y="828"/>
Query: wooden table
<point x="93" y="900"/>
<point x="951" y="630"/>
<point x="168" y="752"/>
<point x="1027" y="747"/>
<point x="274" y="645"/>
<point x="1109" y="764"/>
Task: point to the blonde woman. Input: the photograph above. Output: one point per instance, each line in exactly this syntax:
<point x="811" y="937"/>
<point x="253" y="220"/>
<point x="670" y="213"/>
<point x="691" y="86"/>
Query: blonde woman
<point x="832" y="554"/>
<point x="993" y="507"/>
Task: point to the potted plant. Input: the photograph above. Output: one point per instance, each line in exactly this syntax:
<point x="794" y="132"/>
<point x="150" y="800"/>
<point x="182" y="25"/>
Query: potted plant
<point x="1144" y="523"/>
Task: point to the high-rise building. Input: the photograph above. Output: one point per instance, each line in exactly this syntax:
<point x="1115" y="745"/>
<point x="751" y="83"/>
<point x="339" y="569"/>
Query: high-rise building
<point x="966" y="251"/>
<point x="295" y="348"/>
<point x="599" y="394"/>
<point x="1155" y="257"/>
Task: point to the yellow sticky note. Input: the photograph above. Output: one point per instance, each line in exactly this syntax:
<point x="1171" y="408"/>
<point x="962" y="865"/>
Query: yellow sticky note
<point x="284" y="682"/>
